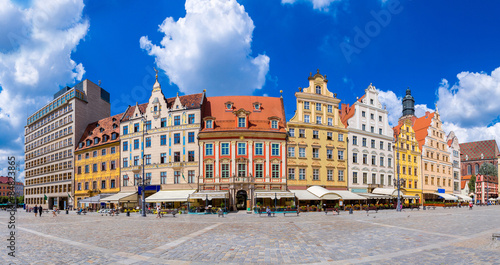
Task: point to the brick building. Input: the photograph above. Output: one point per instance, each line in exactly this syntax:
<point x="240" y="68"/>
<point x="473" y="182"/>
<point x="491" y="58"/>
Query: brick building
<point x="474" y="154"/>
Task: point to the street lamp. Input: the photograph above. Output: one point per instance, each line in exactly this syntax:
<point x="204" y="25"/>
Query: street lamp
<point x="399" y="181"/>
<point x="143" y="182"/>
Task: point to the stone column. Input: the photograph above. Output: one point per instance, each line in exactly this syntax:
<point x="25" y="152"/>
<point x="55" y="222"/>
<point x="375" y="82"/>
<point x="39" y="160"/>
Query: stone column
<point x="250" y="158"/>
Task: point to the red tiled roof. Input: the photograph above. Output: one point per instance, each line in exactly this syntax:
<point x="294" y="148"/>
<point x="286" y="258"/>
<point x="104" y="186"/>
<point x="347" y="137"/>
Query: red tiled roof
<point x="420" y="126"/>
<point x="5" y="179"/>
<point x="346" y="113"/>
<point x="361" y="98"/>
<point x="474" y="150"/>
<point x="257" y="120"/>
<point x="131" y="109"/>
<point x="99" y="129"/>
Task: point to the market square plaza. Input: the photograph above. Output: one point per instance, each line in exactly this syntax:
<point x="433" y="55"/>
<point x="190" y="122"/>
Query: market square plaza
<point x="440" y="236"/>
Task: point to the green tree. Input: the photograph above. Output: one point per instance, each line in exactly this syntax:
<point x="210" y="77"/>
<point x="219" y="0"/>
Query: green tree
<point x="472" y="184"/>
<point x="488" y="169"/>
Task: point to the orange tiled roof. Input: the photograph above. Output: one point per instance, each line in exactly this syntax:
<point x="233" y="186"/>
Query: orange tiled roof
<point x="397" y="129"/>
<point x="258" y="120"/>
<point x="420" y="126"/>
<point x="346" y="113"/>
<point x="488" y="148"/>
<point x="106" y="126"/>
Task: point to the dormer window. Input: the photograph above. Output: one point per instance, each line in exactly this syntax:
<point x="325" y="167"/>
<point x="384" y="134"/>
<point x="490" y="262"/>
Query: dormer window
<point x="229" y="106"/>
<point x="155" y="108"/>
<point x="114" y="136"/>
<point x="101" y="130"/>
<point x="88" y="142"/>
<point x="274" y="124"/>
<point x="209" y="124"/>
<point x="80" y="145"/>
<point x="96" y="140"/>
<point x="318" y="90"/>
<point x="242" y="122"/>
<point x="256" y="106"/>
<point x="105" y="138"/>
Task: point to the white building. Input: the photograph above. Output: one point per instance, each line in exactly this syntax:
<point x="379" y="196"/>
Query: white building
<point x="454" y="149"/>
<point x="371" y="162"/>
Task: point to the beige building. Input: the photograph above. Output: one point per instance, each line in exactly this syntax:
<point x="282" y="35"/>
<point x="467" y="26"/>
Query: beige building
<point x="167" y="130"/>
<point x="50" y="137"/>
<point x="317" y="145"/>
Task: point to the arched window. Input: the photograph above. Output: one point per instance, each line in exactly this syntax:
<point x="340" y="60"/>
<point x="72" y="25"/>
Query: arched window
<point x="469" y="170"/>
<point x="476" y="169"/>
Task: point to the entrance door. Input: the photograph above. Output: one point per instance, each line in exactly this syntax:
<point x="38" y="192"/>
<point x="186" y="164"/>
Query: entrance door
<point x="241" y="199"/>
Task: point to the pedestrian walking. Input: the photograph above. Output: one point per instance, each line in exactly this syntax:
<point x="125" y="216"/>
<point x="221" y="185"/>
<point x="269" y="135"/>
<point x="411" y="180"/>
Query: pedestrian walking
<point x="268" y="211"/>
<point x="470" y="205"/>
<point x="54" y="212"/>
<point x="40" y="210"/>
<point x="35" y="209"/>
<point x="158" y="211"/>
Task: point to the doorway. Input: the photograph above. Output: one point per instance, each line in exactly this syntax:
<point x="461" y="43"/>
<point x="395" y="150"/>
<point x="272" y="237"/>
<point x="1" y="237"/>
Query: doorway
<point x="241" y="199"/>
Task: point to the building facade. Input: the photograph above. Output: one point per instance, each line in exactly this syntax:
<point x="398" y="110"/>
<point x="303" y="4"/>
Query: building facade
<point x="408" y="158"/>
<point x="371" y="162"/>
<point x="50" y="137"/>
<point x="317" y="146"/>
<point x="243" y="148"/>
<point x="474" y="154"/>
<point x="486" y="188"/>
<point x="436" y="157"/>
<point x="97" y="160"/>
<point x="454" y="150"/>
<point x="163" y="132"/>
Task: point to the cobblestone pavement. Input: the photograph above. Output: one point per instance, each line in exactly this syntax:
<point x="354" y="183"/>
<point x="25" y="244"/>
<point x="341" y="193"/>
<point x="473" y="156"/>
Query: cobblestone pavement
<point x="441" y="236"/>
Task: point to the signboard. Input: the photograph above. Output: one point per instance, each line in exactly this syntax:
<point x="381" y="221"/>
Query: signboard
<point x="441" y="191"/>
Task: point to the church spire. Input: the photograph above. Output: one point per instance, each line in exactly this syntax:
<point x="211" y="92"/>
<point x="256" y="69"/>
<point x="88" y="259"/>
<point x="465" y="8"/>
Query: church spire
<point x="408" y="104"/>
<point x="156" y="86"/>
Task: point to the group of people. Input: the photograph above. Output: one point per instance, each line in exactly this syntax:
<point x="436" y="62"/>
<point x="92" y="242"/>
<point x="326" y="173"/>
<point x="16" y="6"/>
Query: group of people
<point x="39" y="210"/>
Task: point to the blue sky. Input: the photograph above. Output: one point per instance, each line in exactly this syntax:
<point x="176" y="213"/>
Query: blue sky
<point x="445" y="51"/>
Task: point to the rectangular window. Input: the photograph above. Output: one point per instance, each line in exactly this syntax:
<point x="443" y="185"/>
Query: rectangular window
<point x="363" y="114"/>
<point x="86" y="185"/>
<point x="136" y="160"/>
<point x="136" y="144"/>
<point x="315" y="134"/>
<point x="380" y="131"/>
<point x="112" y="165"/>
<point x="225" y="170"/>
<point x="365" y="159"/>
<point x="302" y="152"/>
<point x="225" y="149"/>
<point x="259" y="170"/>
<point x="373" y="143"/>
<point x="148" y="159"/>
<point x="79" y="170"/>
<point x="190" y="118"/>
<point x="163" y="177"/>
<point x="103" y="152"/>
<point x="330" y="122"/>
<point x="355" y="177"/>
<point x="148" y="141"/>
<point x="177" y="120"/>
<point x="275" y="170"/>
<point x="209" y="124"/>
<point x="365" y="178"/>
<point x="355" y="158"/>
<point x="341" y="155"/>
<point x="148" y="125"/>
<point x="355" y="140"/>
<point x="94" y="168"/>
<point x="329" y="153"/>
<point x="302" y="174"/>
<point x="318" y="120"/>
<point x="113" y="150"/>
<point x="209" y="170"/>
<point x="341" y="175"/>
<point x="177" y="156"/>
<point x="291" y="151"/>
<point x="163" y="158"/>
<point x="306" y="118"/>
<point x="329" y="136"/>
<point x="363" y="127"/>
<point x="329" y="175"/>
<point x="103" y="166"/>
<point x="125" y="130"/>
<point x="136" y="127"/>
<point x="209" y="149"/>
<point x="306" y="105"/>
<point x="315" y="152"/>
<point x="125" y="162"/>
<point x="275" y="149"/>
<point x="177" y="177"/>
<point x="241" y="122"/>
<point x="341" y="137"/>
<point x="291" y="132"/>
<point x="291" y="173"/>
<point x="364" y="142"/>
<point x="330" y="109"/>
<point x="190" y="156"/>
<point x="381" y="161"/>
<point x="191" y="178"/>
<point x="374" y="179"/>
<point x="302" y="133"/>
<point x="389" y="162"/>
<point x="315" y="174"/>
<point x="318" y="106"/>
<point x="274" y="124"/>
<point x="163" y="123"/>
<point x="163" y="140"/>
<point x="103" y="184"/>
<point x="177" y="138"/>
<point x="242" y="170"/>
<point x="125" y="180"/>
<point x="259" y="149"/>
<point x="242" y="149"/>
<point x="374" y="158"/>
<point x="94" y="154"/>
<point x="190" y="137"/>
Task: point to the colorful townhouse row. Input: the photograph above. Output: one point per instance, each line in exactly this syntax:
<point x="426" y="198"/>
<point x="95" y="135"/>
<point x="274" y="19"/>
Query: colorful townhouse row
<point x="237" y="151"/>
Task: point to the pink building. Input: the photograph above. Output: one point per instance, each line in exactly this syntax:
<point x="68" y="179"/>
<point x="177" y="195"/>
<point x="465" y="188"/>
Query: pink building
<point x="486" y="188"/>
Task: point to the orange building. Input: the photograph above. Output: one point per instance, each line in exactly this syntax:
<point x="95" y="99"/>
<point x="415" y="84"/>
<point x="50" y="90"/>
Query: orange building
<point x="243" y="150"/>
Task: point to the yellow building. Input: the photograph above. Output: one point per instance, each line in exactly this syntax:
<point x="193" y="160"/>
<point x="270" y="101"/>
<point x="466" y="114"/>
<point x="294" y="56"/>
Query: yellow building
<point x="317" y="146"/>
<point x="408" y="159"/>
<point x="97" y="162"/>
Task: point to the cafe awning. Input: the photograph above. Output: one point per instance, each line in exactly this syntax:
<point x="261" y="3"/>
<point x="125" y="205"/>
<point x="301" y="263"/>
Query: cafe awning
<point x="410" y="197"/>
<point x="121" y="197"/>
<point x="271" y="194"/>
<point x="375" y="196"/>
<point x="304" y="195"/>
<point x="446" y="197"/>
<point x="95" y="199"/>
<point x="347" y="195"/>
<point x="209" y="195"/>
<point x="386" y="191"/>
<point x="463" y="197"/>
<point x="170" y="196"/>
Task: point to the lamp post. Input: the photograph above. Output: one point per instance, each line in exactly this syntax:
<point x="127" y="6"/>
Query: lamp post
<point x="275" y="198"/>
<point x="398" y="182"/>
<point x="143" y="182"/>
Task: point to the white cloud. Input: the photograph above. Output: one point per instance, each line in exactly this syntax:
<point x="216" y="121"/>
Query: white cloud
<point x="210" y="48"/>
<point x="472" y="101"/>
<point x="394" y="105"/>
<point x="473" y="134"/>
<point x="322" y="5"/>
<point x="36" y="43"/>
